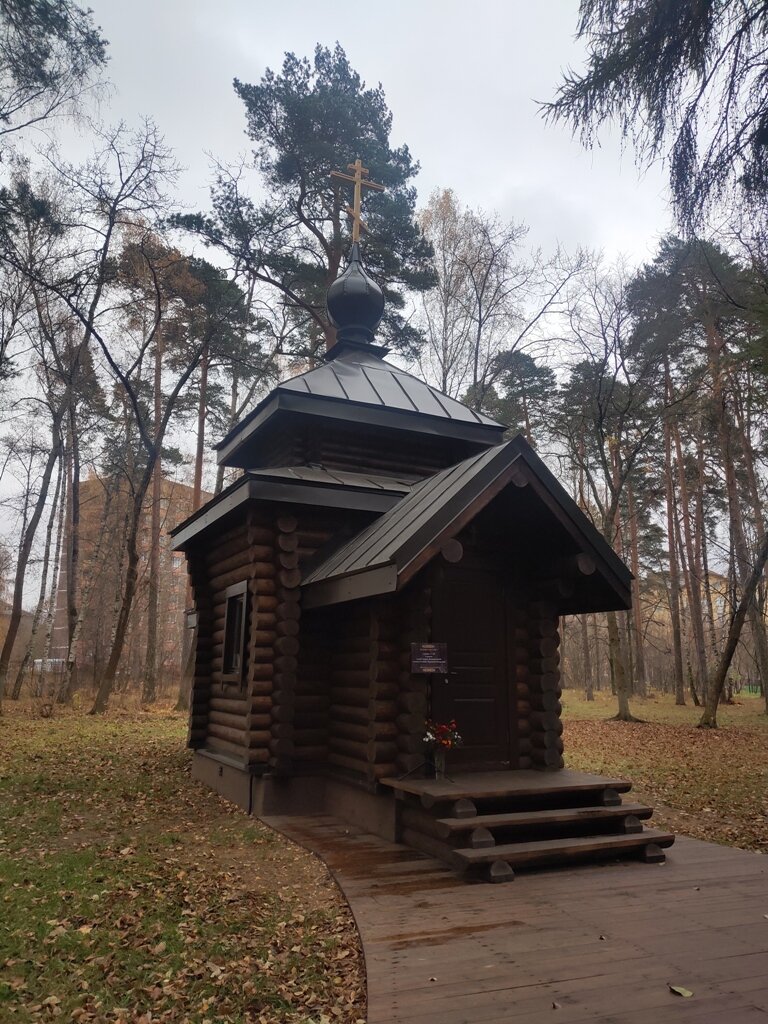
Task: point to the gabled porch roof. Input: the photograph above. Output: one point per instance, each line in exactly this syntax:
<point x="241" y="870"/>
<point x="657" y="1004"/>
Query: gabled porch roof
<point x="388" y="553"/>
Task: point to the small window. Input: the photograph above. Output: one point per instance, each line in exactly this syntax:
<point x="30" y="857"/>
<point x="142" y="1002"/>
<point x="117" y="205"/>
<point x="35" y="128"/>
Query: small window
<point x="234" y="633"/>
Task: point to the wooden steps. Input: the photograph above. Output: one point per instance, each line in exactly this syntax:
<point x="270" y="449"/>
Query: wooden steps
<point x="489" y="824"/>
<point x="537" y="819"/>
<point x="553" y="850"/>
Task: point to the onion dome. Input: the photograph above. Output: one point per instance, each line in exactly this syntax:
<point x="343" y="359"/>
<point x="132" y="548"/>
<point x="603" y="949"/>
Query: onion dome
<point x="355" y="303"/>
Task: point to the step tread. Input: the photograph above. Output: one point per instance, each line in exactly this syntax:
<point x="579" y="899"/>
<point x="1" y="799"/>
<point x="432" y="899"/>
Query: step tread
<point x="498" y="785"/>
<point x="554" y="816"/>
<point x="521" y="853"/>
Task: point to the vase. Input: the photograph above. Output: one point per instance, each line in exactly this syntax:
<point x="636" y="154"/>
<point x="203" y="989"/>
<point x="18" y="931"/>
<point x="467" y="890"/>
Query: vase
<point x="438" y="756"/>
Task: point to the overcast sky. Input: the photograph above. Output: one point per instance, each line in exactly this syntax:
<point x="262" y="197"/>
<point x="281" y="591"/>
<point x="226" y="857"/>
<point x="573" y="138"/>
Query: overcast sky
<point x="461" y="78"/>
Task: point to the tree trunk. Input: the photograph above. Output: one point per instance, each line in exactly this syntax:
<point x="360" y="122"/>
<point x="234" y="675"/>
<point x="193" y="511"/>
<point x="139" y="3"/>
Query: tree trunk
<point x="72" y="558"/>
<point x="619" y="671"/>
<point x="637" y="611"/>
<point x="586" y="658"/>
<point x="37" y="619"/>
<point x="25" y="548"/>
<point x="131" y="578"/>
<point x="149" y="689"/>
<point x="189" y="637"/>
<point x="674" y="571"/>
<point x="717" y="683"/>
<point x="693" y="581"/>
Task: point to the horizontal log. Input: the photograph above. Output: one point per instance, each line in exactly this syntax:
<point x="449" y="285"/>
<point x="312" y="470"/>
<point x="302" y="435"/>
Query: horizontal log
<point x="539" y="610"/>
<point x="411" y="744"/>
<point x="351" y="676"/>
<point x="409" y="762"/>
<point x="317" y="753"/>
<point x="228" y="720"/>
<point x="260" y="687"/>
<point x="260" y="722"/>
<point x="265" y="585"/>
<point x="289" y="578"/>
<point x="287" y="645"/>
<point x="540" y="666"/>
<point x="408" y="724"/>
<point x="287" y="524"/>
<point x="264" y="620"/>
<point x="262" y="637"/>
<point x="384" y="710"/>
<point x="236" y="737"/>
<point x="351" y="660"/>
<point x="260" y="534"/>
<point x="259" y="704"/>
<point x="312" y="538"/>
<point x="545" y="721"/>
<point x="261" y="654"/>
<point x="230" y="705"/>
<point x="309" y="737"/>
<point x="546" y="741"/>
<point x="287" y="627"/>
<point x="266" y="603"/>
<point x="357" y="731"/>
<point x="382" y="752"/>
<point x="222" y="550"/>
<point x="283" y="747"/>
<point x="546" y="759"/>
<point x="289" y="610"/>
<point x="312" y="702"/>
<point x="224" y="580"/>
<point x="414" y="703"/>
<point x="350" y="748"/>
<point x="288" y="542"/>
<point x="545" y="702"/>
<point x="261" y="670"/>
<point x="375" y="771"/>
<point x="286" y="663"/>
<point x="253" y="755"/>
<point x="548" y="681"/>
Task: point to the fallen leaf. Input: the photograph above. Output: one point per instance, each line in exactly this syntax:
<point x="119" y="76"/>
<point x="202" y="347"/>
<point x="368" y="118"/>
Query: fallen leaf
<point x="680" y="991"/>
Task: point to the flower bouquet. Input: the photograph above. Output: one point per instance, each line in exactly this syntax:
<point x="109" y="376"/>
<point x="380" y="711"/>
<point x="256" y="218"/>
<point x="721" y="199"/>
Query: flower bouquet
<point x="440" y="737"/>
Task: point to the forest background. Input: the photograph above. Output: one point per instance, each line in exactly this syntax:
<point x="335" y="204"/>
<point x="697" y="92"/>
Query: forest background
<point x="134" y="334"/>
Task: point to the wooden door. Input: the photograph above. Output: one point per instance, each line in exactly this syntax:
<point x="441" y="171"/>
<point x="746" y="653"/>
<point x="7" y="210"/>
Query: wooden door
<point x="469" y="614"/>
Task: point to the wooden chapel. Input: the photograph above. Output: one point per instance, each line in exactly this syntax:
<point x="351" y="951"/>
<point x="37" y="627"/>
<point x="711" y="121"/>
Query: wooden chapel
<point x="375" y="513"/>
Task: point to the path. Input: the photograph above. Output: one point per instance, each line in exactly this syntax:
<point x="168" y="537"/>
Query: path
<point x="594" y="943"/>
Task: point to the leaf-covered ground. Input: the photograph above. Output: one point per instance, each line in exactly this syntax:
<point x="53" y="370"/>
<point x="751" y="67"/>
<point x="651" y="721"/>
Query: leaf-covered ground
<point x="129" y="893"/>
<point x="710" y="784"/>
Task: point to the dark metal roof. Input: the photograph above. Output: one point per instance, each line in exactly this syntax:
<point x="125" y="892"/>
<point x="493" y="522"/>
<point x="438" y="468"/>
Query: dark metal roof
<point x="359" y="376"/>
<point x="414" y="523"/>
<point x="401" y="483"/>
<point x="300" y="485"/>
<point x="359" y="386"/>
<point x="387" y="553"/>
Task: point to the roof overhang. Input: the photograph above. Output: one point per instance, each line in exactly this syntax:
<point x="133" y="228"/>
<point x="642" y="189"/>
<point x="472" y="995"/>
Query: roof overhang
<point x="231" y="451"/>
<point x="389" y="552"/>
<point x="276" y="488"/>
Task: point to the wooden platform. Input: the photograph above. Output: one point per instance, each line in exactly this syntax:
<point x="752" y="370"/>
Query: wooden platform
<point x="496" y="784"/>
<point x="488" y="825"/>
<point x="598" y="944"/>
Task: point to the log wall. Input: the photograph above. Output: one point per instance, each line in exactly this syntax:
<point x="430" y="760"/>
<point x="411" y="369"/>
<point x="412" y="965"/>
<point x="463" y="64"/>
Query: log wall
<point x="364" y="668"/>
<point x="541" y="709"/>
<point x="233" y="718"/>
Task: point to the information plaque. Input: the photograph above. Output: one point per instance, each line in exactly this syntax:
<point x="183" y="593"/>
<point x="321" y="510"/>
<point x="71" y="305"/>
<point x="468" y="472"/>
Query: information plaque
<point x="429" y="658"/>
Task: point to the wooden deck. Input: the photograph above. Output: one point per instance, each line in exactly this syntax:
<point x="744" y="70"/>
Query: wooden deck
<point x="597" y="943"/>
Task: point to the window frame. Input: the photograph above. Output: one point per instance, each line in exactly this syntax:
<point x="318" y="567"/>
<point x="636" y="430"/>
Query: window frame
<point x="238" y="592"/>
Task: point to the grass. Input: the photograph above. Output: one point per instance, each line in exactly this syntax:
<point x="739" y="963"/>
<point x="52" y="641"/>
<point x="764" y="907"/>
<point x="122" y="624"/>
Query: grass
<point x="711" y="784"/>
<point x="130" y="894"/>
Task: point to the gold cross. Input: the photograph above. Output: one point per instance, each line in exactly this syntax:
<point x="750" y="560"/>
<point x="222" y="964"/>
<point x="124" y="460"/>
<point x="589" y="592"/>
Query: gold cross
<point x="359" y="183"/>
